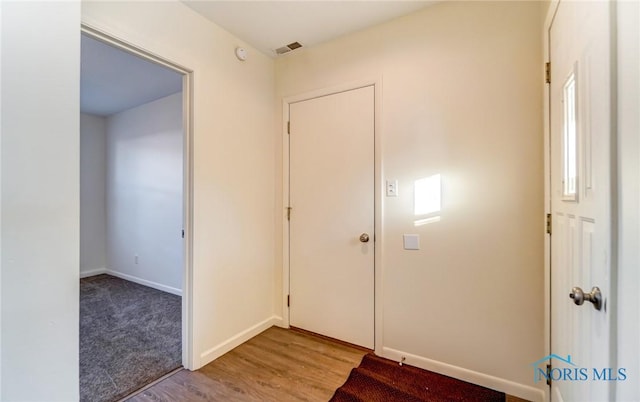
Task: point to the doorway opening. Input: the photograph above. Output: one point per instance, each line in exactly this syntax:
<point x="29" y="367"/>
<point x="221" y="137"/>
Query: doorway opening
<point x="135" y="217"/>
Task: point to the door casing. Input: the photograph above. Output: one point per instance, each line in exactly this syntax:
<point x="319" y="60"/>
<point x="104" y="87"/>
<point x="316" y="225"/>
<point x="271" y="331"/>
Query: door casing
<point x="378" y="199"/>
<point x="188" y="358"/>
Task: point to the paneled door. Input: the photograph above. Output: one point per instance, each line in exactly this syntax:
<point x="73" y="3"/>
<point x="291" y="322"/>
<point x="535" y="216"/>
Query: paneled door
<point x="581" y="249"/>
<point x="331" y="227"/>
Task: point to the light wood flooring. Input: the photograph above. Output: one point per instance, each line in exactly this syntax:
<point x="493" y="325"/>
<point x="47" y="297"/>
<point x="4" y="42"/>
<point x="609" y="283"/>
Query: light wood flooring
<point x="277" y="365"/>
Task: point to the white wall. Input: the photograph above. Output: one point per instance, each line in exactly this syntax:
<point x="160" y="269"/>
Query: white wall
<point x="144" y="149"/>
<point x="628" y="302"/>
<point x="233" y="165"/>
<point x="461" y="96"/>
<point x="40" y="200"/>
<point x="93" y="213"/>
<point x="1" y="96"/>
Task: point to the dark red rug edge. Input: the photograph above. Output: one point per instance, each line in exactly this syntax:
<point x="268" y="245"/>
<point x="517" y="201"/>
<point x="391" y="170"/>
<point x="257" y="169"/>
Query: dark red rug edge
<point x="403" y="383"/>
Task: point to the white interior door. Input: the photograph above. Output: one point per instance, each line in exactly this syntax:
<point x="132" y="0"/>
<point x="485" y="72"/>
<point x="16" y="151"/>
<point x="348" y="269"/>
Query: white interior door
<point x="332" y="199"/>
<point x="581" y="247"/>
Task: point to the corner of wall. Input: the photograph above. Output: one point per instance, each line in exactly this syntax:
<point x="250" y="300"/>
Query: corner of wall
<point x="432" y="99"/>
<point x="229" y="344"/>
<point x="233" y="165"/>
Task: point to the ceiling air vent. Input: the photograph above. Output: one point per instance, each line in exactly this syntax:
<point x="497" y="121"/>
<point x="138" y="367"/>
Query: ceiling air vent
<point x="288" y="48"/>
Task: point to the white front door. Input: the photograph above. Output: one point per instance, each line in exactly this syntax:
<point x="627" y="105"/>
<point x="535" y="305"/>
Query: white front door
<point x="331" y="193"/>
<point x="581" y="249"/>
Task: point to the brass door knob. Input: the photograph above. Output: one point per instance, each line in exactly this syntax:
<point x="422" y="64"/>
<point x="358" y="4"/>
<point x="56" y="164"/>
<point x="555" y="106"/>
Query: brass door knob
<point x="364" y="238"/>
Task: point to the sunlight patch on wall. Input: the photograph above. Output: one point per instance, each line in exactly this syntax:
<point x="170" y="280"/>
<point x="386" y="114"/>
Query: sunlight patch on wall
<point x="427" y="200"/>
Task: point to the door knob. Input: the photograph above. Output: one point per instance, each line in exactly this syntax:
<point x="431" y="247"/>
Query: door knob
<point x="364" y="238"/>
<point x="579" y="296"/>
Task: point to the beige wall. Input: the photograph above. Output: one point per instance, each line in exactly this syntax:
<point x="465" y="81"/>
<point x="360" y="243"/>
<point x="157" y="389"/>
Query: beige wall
<point x="461" y="96"/>
<point x="233" y="177"/>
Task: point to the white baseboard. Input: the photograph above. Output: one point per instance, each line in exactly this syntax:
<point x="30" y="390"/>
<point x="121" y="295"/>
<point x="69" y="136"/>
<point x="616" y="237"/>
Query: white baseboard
<point x="279" y="322"/>
<point x="151" y="284"/>
<point x="144" y="282"/>
<point x="499" y="384"/>
<point x="237" y="340"/>
<point x="93" y="272"/>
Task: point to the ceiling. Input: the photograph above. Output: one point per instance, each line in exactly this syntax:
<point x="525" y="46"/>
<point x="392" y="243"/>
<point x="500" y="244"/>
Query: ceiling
<point x="112" y="80"/>
<point x="268" y="25"/>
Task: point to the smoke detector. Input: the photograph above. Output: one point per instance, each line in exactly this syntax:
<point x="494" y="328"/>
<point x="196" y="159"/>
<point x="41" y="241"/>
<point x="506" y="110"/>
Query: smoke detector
<point x="241" y="53"/>
<point x="288" y="48"/>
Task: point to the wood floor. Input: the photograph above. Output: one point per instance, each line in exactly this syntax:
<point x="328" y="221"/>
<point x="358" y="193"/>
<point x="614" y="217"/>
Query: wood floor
<point x="277" y="365"/>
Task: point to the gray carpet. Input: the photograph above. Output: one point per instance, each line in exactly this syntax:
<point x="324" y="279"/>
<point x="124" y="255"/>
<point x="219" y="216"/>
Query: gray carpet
<point x="130" y="335"/>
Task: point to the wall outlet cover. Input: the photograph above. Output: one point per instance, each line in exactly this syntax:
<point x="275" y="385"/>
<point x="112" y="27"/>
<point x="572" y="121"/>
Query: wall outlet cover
<point x="411" y="241"/>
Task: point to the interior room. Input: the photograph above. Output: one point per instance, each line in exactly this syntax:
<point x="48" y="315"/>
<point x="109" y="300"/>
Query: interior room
<point x="496" y="244"/>
<point x="131" y="207"/>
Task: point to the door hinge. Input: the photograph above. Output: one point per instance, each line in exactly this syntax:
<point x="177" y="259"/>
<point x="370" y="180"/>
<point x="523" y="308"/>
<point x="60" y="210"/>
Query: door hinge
<point x="547" y="72"/>
<point x="288" y="127"/>
<point x="183" y="233"/>
<point x="289" y="213"/>
<point x="288" y="300"/>
<point x="549" y="374"/>
<point x="548" y="223"/>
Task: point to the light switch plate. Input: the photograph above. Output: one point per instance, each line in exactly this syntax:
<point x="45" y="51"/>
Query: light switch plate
<point x="411" y="241"/>
<point x="392" y="188"/>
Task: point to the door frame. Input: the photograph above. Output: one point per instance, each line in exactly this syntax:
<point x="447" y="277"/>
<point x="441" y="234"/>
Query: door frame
<point x="377" y="199"/>
<point x="551" y="12"/>
<point x="188" y="358"/>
